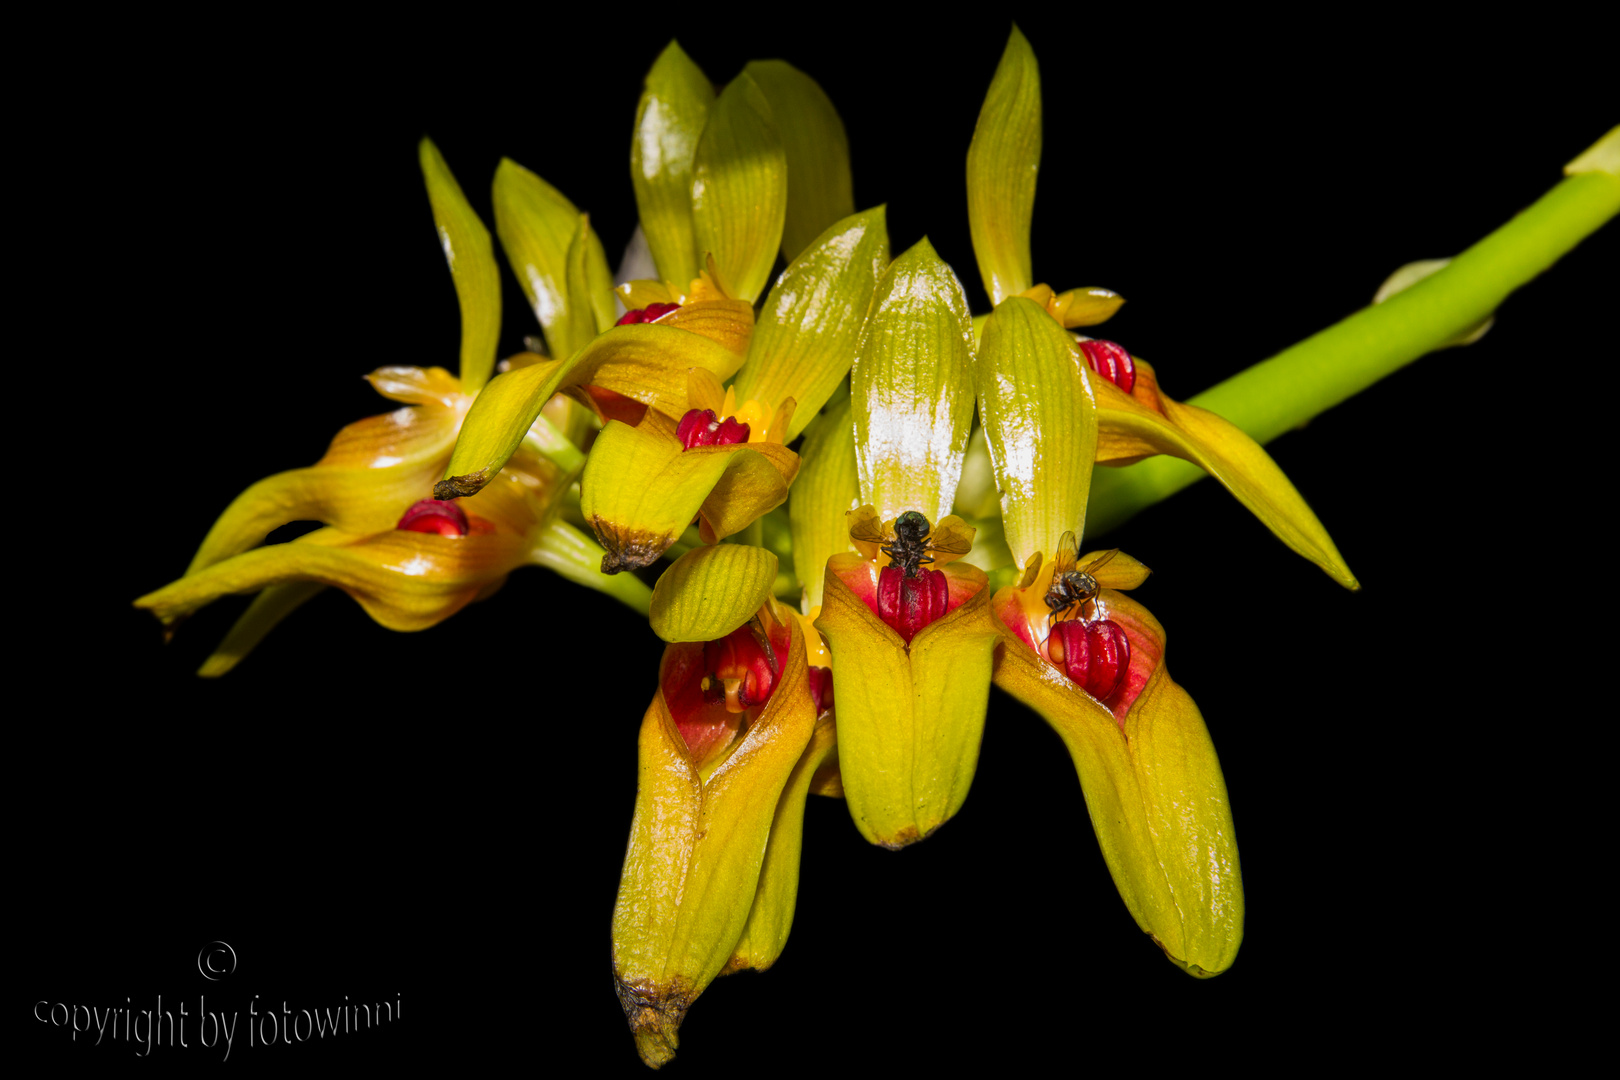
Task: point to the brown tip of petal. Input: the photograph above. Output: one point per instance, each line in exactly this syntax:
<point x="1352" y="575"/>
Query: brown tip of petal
<point x="905" y="838"/>
<point x="460" y="487"/>
<point x="654" y="1015"/>
<point x="628" y="549"/>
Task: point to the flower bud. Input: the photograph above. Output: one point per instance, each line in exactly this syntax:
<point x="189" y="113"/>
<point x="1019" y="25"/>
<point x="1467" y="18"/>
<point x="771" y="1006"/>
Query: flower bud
<point x="434" y="516"/>
<point x="1113" y="362"/>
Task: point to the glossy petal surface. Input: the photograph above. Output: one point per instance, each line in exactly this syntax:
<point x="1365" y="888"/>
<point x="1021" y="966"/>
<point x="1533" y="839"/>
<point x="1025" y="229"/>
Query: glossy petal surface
<point x="1001" y="166"/>
<point x="1040" y="420"/>
<point x="912" y="383"/>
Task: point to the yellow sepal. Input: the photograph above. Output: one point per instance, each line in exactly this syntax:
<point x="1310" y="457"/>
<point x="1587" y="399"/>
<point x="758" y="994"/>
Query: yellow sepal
<point x="695" y="855"/>
<point x="910" y="718"/>
<point x="1153" y="787"/>
<point x="1146" y="422"/>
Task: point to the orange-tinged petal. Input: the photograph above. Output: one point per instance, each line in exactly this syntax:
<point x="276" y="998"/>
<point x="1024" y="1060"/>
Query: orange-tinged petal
<point x="404" y="580"/>
<point x="370" y="474"/>
<point x="1145" y="422"/>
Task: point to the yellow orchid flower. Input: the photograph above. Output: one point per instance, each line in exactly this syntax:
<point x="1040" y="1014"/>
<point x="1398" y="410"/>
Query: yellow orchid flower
<point x="368" y="488"/>
<point x="711" y="179"/>
<point x="1134" y="419"/>
<point x="729" y="750"/>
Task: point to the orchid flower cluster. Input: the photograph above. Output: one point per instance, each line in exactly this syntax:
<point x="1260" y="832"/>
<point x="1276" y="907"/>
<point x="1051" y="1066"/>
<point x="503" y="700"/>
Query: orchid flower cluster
<point x="870" y="501"/>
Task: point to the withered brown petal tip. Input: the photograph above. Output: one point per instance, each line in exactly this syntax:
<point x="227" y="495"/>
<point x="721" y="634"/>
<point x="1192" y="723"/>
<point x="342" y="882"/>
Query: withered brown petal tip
<point x="459" y="487"/>
<point x="654" y="1015"/>
<point x="628" y="550"/>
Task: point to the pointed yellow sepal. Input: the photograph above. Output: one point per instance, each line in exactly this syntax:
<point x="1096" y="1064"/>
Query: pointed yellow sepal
<point x="1001" y="166"/>
<point x="537" y="226"/>
<point x="471" y="255"/>
<point x="641" y="488"/>
<point x="371" y="473"/>
<point x="1146" y="422"/>
<point x="912" y="384"/>
<point x="820" y="188"/>
<point x="776" y="897"/>
<point x="811" y="322"/>
<point x="702" y="826"/>
<point x="404" y="580"/>
<point x="1152" y="782"/>
<point x="1040" y="420"/>
<point x="739" y="188"/>
<point x="674" y="107"/>
<point x="825" y="490"/>
<point x="910" y="716"/>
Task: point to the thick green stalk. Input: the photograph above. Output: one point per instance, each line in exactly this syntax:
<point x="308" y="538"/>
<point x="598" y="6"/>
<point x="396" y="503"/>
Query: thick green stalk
<point x="577" y="557"/>
<point x="1306" y="379"/>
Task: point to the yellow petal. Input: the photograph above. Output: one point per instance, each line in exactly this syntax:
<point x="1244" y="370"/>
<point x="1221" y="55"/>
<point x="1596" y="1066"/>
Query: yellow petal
<point x="811" y="322"/>
<point x="776" y="896"/>
<point x="1145" y="421"/>
<point x="1085" y="307"/>
<point x="727" y="322"/>
<point x="536" y="224"/>
<point x="755" y="482"/>
<point x="1001" y="167"/>
<point x="648" y="363"/>
<point x="711" y="591"/>
<point x="1155" y="793"/>
<point x="640" y="489"/>
<point x="471" y="255"/>
<point x="404" y="580"/>
<point x="910" y="718"/>
<point x="695" y="854"/>
<point x="739" y="188"/>
<point x="912" y="383"/>
<point x="1040" y="418"/>
<point x="268" y="608"/>
<point x="371" y="473"/>
<point x="825" y="490"/>
<point x="669" y="119"/>
<point x="820" y="189"/>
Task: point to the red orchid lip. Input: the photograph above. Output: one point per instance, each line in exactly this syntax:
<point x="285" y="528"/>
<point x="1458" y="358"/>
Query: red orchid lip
<point x="714" y="689"/>
<point x="1112" y="361"/>
<point x="701" y="427"/>
<point x="434" y="516"/>
<point x="1118" y="666"/>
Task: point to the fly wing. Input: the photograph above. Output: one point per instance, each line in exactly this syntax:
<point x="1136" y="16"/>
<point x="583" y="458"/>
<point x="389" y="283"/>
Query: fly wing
<point x="1068" y="548"/>
<point x="953" y="537"/>
<point x="866" y="527"/>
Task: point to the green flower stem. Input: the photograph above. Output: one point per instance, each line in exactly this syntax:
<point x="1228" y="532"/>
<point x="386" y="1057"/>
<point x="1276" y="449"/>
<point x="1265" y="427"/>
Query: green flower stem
<point x="1281" y="393"/>
<point x="578" y="558"/>
<point x="544" y="439"/>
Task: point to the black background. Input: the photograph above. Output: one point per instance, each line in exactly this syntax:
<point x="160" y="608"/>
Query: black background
<point x="232" y="232"/>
